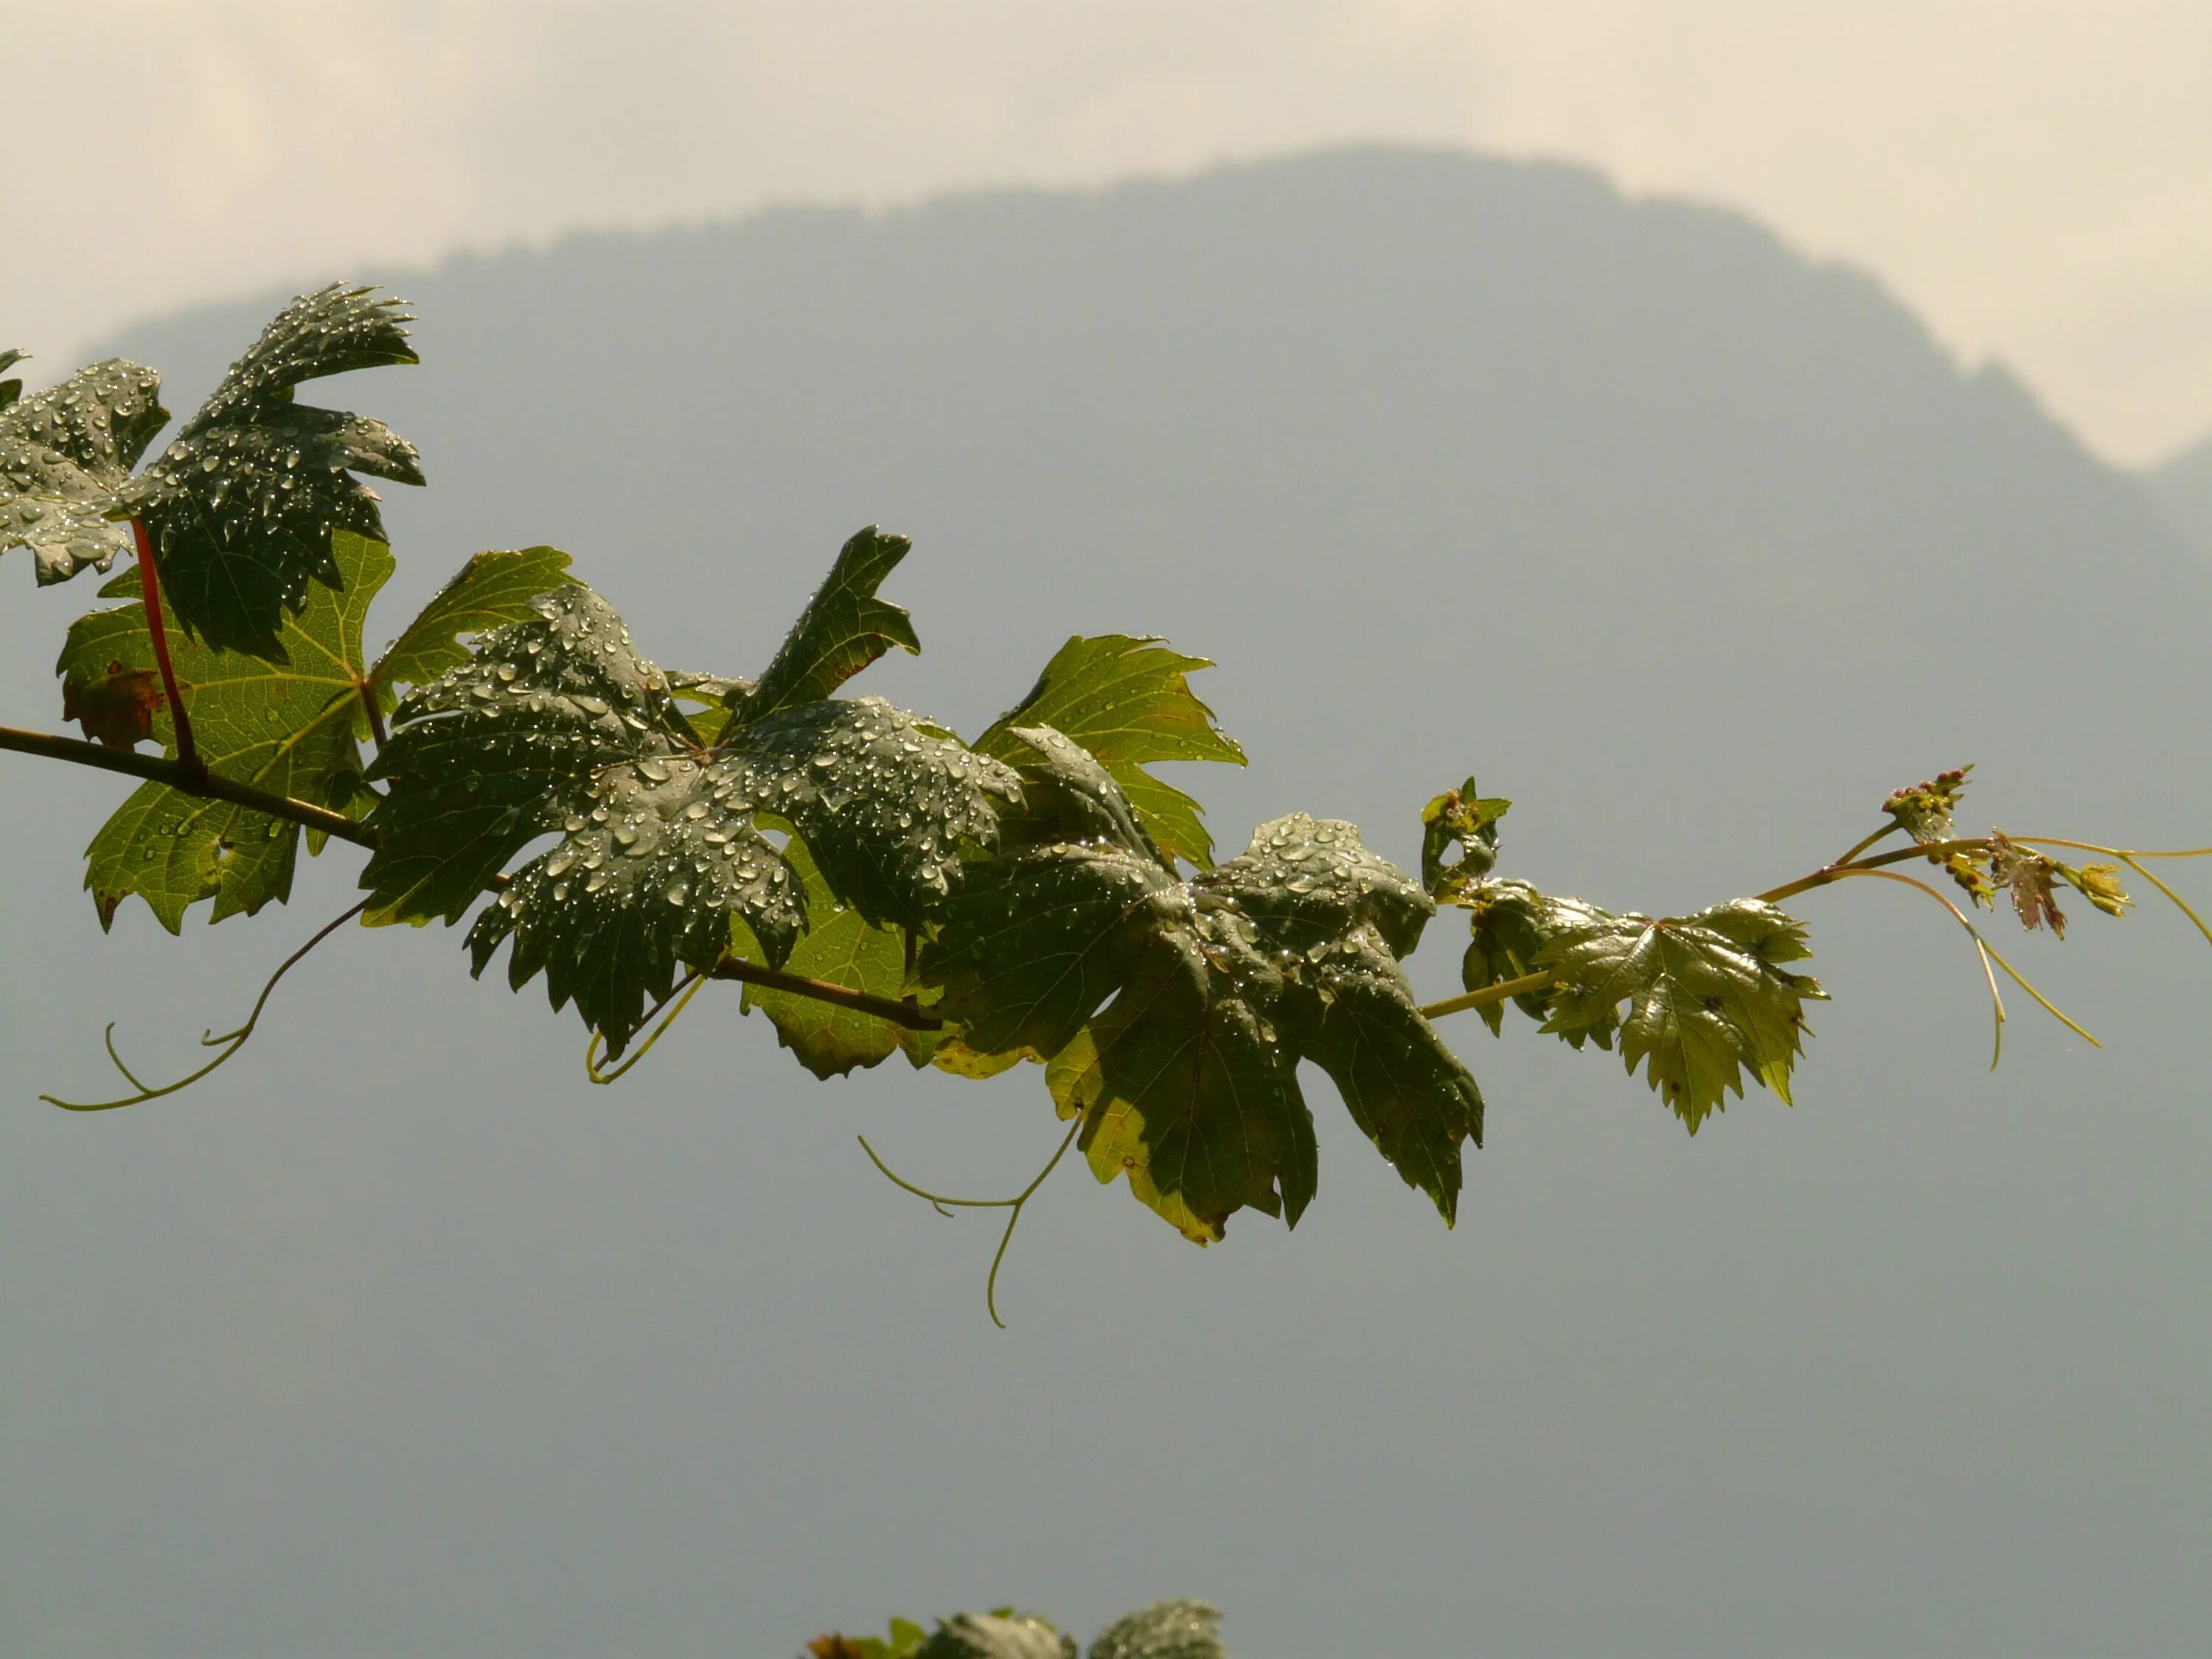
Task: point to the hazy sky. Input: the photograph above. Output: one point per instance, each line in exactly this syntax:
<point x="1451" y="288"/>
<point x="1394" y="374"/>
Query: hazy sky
<point x="2034" y="178"/>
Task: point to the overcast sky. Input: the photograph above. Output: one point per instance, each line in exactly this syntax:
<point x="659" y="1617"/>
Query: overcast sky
<point x="2034" y="178"/>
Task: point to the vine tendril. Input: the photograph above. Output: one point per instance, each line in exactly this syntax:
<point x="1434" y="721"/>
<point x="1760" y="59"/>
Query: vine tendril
<point x="230" y="1041"/>
<point x="940" y="1203"/>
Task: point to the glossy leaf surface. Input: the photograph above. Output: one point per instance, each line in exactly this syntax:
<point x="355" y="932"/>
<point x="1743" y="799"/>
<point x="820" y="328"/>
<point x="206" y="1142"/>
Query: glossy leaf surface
<point x="556" y="724"/>
<point x="64" y="453"/>
<point x="1706" y="996"/>
<point x="490" y="591"/>
<point x="1175" y="1012"/>
<point x="242" y="504"/>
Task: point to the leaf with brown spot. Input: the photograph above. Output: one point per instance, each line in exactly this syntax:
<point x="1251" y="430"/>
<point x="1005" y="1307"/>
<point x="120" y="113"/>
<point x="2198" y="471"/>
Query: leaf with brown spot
<point x="117" y="708"/>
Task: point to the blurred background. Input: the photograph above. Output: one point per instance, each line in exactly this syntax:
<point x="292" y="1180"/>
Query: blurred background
<point x="1694" y="419"/>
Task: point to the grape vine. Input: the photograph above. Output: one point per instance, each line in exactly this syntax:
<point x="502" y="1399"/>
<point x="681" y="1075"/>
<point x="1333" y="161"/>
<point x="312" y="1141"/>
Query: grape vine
<point x="875" y="883"/>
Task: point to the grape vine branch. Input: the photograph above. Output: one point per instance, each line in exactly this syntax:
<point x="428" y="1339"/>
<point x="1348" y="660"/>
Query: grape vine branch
<point x="873" y="882"/>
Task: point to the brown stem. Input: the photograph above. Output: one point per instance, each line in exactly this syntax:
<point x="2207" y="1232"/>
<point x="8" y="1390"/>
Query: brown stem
<point x="821" y="990"/>
<point x="1934" y="851"/>
<point x="193" y="779"/>
<point x="213" y="786"/>
<point x="157" y="630"/>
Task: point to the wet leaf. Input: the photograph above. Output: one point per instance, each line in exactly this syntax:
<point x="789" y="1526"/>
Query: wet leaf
<point x="1512" y="924"/>
<point x="1127" y="700"/>
<point x="490" y="591"/>
<point x="1337" y="918"/>
<point x="1166" y="1629"/>
<point x="555" y="724"/>
<point x="1175" y="1011"/>
<point x="995" y="1636"/>
<point x="886" y="805"/>
<point x="242" y="505"/>
<point x="64" y="453"/>
<point x="502" y="747"/>
<point x="285" y="728"/>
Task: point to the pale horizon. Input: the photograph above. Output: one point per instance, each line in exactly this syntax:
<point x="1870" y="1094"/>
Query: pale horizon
<point x="2034" y="182"/>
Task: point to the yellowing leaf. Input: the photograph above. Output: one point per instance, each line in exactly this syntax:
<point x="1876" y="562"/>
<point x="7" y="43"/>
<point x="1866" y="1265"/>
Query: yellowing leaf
<point x="1128" y="702"/>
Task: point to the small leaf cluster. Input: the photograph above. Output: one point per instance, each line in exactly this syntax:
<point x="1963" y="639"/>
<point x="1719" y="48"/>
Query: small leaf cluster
<point x="1166" y="1629"/>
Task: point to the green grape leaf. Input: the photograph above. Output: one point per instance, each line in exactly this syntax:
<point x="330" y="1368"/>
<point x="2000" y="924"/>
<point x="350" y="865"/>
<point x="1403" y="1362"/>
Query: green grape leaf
<point x="557" y="725"/>
<point x="1339" y="918"/>
<point x="1166" y="1629"/>
<point x="1128" y="701"/>
<point x="503" y="747"/>
<point x="995" y="1636"/>
<point x="843" y="948"/>
<point x="242" y="504"/>
<point x="64" y="453"/>
<point x="10" y="390"/>
<point x="286" y="727"/>
<point x="1512" y="924"/>
<point x="844" y="628"/>
<point x="490" y="591"/>
<point x="1175" y="1012"/>
<point x="886" y="805"/>
<point x="1706" y="997"/>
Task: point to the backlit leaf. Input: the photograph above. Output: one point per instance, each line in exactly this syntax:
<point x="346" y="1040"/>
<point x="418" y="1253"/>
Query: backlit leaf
<point x="286" y="727"/>
<point x="1128" y="702"/>
<point x="1706" y="996"/>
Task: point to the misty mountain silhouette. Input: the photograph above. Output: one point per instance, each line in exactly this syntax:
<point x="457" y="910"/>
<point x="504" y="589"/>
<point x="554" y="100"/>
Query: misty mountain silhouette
<point x="2183" y="484"/>
<point x="1692" y="546"/>
<point x="1507" y="463"/>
